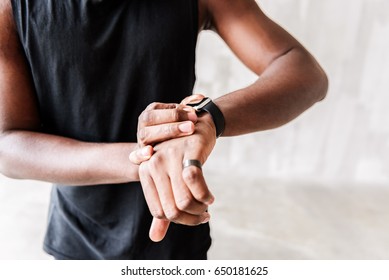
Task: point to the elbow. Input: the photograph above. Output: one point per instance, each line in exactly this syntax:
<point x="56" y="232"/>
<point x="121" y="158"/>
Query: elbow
<point x="314" y="79"/>
<point x="5" y="171"/>
<point x="6" y="168"/>
<point x="3" y="162"/>
<point x="319" y="79"/>
<point x="314" y="82"/>
<point x="2" y="155"/>
<point x="322" y="84"/>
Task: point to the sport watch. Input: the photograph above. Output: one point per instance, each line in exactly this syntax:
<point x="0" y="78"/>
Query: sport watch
<point x="206" y="105"/>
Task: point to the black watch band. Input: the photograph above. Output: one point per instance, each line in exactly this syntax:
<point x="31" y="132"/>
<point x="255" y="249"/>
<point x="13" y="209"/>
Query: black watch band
<point x="208" y="106"/>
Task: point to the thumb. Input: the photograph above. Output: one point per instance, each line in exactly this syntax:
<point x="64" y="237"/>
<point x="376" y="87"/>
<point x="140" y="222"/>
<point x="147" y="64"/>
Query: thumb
<point x="192" y="98"/>
<point x="140" y="155"/>
<point x="158" y="229"/>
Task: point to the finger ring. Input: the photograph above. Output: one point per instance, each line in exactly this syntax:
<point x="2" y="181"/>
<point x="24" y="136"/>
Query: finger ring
<point x="191" y="162"/>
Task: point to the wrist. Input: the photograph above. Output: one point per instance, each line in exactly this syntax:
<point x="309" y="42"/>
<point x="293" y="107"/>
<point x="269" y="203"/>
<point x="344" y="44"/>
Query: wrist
<point x="119" y="163"/>
<point x="206" y="122"/>
<point x="207" y="106"/>
<point x="205" y="128"/>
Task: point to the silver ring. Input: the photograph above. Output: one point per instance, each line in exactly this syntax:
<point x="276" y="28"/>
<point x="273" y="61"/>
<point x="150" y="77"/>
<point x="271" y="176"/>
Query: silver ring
<point x="191" y="162"/>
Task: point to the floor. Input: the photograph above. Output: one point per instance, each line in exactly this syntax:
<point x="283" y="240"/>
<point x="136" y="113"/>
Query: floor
<point x="250" y="220"/>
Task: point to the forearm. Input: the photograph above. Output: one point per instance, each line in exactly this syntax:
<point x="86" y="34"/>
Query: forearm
<point x="290" y="84"/>
<point x="37" y="156"/>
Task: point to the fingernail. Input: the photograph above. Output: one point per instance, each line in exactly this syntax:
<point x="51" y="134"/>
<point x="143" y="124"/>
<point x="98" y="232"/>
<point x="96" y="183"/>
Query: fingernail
<point x="186" y="127"/>
<point x="145" y="151"/>
<point x="188" y="109"/>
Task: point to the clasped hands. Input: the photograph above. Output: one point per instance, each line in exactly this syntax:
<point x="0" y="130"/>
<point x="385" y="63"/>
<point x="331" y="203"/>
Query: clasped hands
<point x="169" y="134"/>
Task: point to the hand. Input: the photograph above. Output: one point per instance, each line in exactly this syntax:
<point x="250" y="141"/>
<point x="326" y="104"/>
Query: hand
<point x="157" y="123"/>
<point x="160" y="122"/>
<point x="173" y="193"/>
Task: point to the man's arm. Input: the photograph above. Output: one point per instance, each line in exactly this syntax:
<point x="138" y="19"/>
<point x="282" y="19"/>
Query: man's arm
<point x="26" y="153"/>
<point x="290" y="79"/>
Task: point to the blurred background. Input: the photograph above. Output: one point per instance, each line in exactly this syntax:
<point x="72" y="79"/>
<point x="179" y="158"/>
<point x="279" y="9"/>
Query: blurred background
<point x="316" y="188"/>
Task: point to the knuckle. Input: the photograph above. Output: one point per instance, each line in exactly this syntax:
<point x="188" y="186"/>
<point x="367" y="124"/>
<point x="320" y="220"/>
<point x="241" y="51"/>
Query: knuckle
<point x="157" y="213"/>
<point x="175" y="115"/>
<point x="172" y="214"/>
<point x="140" y="117"/>
<point x="202" y="195"/>
<point x="143" y="169"/>
<point x="152" y="106"/>
<point x="185" y="203"/>
<point x="191" y="174"/>
<point x="142" y="136"/>
<point x="155" y="161"/>
<point x="146" y="117"/>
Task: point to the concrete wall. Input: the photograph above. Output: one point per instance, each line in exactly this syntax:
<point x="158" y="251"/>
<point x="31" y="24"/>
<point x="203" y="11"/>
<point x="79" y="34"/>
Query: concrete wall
<point x="315" y="188"/>
<point x="346" y="137"/>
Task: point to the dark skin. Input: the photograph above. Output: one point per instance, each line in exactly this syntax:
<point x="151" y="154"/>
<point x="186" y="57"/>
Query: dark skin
<point x="291" y="81"/>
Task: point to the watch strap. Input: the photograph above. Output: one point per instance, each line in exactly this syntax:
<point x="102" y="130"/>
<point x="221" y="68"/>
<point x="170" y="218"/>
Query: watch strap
<point x="208" y="106"/>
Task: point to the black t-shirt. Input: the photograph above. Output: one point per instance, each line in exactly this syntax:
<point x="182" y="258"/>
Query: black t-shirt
<point x="96" y="65"/>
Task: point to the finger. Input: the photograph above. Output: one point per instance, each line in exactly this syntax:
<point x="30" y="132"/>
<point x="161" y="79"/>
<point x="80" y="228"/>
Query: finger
<point x="165" y="194"/>
<point x="150" y="192"/>
<point x="194" y="179"/>
<point x="192" y="98"/>
<point x="183" y="197"/>
<point x="161" y="116"/>
<point x="158" y="133"/>
<point x="159" y="105"/>
<point x="158" y="229"/>
<point x="140" y="155"/>
<point x="166" y="197"/>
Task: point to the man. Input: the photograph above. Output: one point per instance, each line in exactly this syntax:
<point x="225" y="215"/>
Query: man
<point x="75" y="77"/>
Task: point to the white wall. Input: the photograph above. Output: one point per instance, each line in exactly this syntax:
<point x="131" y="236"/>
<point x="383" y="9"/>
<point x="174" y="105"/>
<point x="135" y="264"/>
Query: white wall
<point x="343" y="139"/>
